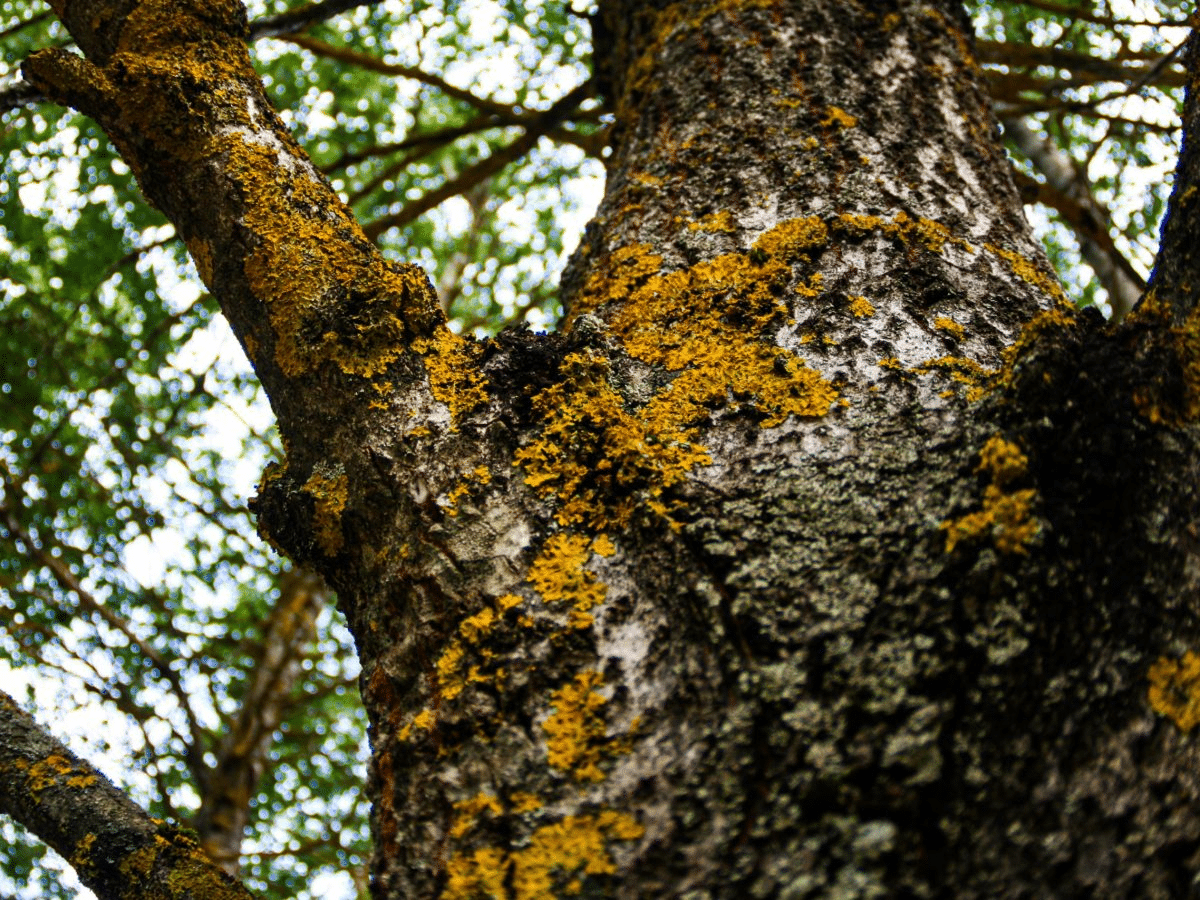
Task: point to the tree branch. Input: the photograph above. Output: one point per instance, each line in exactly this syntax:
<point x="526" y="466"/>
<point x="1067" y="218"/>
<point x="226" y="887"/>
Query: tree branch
<point x="1175" y="282"/>
<point x="117" y="849"/>
<point x="1067" y="190"/>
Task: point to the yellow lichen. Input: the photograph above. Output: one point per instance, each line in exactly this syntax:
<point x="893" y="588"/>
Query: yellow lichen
<point x="559" y="575"/>
<point x="575" y="734"/>
<point x="718" y="221"/>
<point x="81" y="856"/>
<point x="948" y="325"/>
<point x="837" y="116"/>
<point x="1175" y="689"/>
<point x="559" y="857"/>
<point x="467" y="812"/>
<point x="451" y="362"/>
<point x="1006" y="515"/>
<point x="329" y="498"/>
<point x="299" y="260"/>
<point x="860" y="306"/>
<point x="480" y="476"/>
<point x="793" y="237"/>
<point x="449" y="671"/>
<point x="1028" y="272"/>
<point x="55" y="771"/>
<point x="424" y="720"/>
<point x="524" y="802"/>
<point x="901" y="227"/>
<point x="599" y="459"/>
<point x="962" y="370"/>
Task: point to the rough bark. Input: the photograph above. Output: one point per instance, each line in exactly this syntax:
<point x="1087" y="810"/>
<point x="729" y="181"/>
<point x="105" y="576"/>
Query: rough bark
<point x="825" y="553"/>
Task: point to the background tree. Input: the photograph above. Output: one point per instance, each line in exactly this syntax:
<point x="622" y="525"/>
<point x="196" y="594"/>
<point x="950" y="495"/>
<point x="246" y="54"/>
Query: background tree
<point x="61" y="532"/>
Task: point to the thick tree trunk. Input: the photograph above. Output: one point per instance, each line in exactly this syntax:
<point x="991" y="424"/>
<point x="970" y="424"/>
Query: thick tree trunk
<point x="826" y="553"/>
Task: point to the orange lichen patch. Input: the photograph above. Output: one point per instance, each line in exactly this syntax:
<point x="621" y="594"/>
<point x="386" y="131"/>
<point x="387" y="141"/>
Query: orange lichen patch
<point x="557" y="860"/>
<point x="600" y="460"/>
<point x="423" y="721"/>
<point x="705" y="322"/>
<point x="449" y="671"/>
<point x="523" y="802"/>
<point x="1172" y="407"/>
<point x="451" y="362"/>
<point x="329" y="296"/>
<point x="482" y="874"/>
<point x="1175" y="689"/>
<point x="1028" y="272"/>
<point x="1007" y="515"/>
<point x="794" y="237"/>
<point x="575" y="734"/>
<point x="901" y="227"/>
<point x="860" y="306"/>
<point x="962" y="370"/>
<point x="718" y="221"/>
<point x="81" y="855"/>
<point x="473" y="632"/>
<point x="482" y="475"/>
<point x="558" y="574"/>
<point x="53" y="771"/>
<point x="713" y="325"/>
<point x="329" y="498"/>
<point x="673" y="22"/>
<point x="836" y="116"/>
<point x="202" y="255"/>
<point x="948" y="325"/>
<point x="467" y="812"/>
<point x="603" y="546"/>
<point x="617" y="278"/>
<point x="508" y="601"/>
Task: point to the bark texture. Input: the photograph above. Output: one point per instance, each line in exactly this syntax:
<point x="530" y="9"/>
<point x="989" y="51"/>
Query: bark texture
<point x="826" y="553"/>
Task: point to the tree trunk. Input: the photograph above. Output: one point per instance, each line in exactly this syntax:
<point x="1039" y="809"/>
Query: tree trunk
<point x="827" y="552"/>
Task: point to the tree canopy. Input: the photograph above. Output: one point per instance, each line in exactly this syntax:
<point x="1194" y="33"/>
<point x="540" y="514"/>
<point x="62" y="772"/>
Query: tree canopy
<point x="132" y="582"/>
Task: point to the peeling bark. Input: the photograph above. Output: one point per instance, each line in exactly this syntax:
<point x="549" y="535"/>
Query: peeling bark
<point x="789" y="568"/>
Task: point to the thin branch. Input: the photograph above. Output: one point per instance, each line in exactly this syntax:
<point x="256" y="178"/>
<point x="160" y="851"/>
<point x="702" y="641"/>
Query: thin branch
<point x="1078" y="12"/>
<point x="303" y="17"/>
<point x="70" y="584"/>
<point x="374" y="64"/>
<point x="484" y="169"/>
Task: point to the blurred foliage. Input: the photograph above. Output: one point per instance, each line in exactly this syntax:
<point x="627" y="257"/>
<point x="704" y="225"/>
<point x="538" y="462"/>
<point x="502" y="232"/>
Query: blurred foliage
<point x="133" y="588"/>
<point x="1102" y="81"/>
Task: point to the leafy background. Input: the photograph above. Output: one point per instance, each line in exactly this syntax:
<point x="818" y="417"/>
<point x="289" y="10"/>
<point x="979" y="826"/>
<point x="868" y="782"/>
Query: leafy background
<point x="137" y="604"/>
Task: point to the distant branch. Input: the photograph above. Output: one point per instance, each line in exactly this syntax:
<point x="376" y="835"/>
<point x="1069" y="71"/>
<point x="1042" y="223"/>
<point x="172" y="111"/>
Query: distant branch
<point x="1080" y="12"/>
<point x="1067" y="190"/>
<point x="374" y="64"/>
